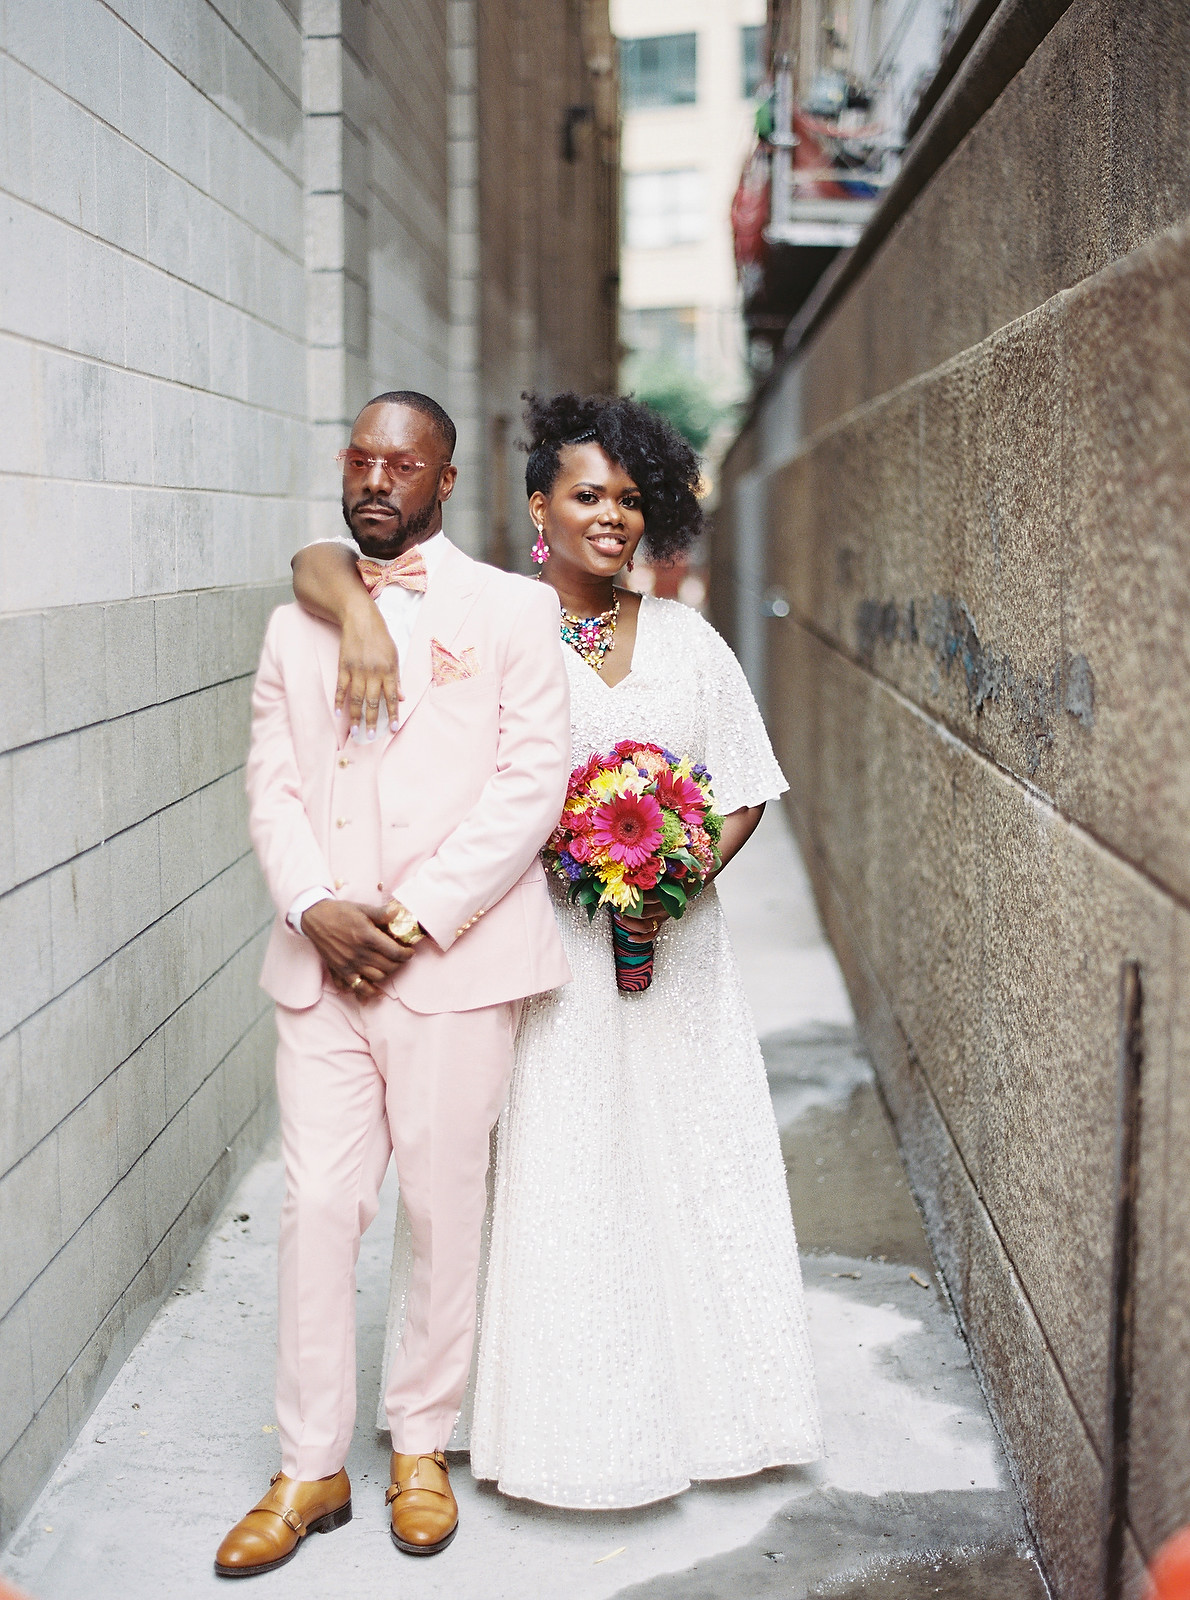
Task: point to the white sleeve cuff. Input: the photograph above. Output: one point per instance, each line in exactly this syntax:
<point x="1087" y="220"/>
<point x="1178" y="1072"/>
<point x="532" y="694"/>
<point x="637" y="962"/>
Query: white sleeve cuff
<point x="307" y="898"/>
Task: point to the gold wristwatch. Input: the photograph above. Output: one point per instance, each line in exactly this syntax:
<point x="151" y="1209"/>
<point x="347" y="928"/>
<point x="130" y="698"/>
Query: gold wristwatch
<point x="403" y="925"/>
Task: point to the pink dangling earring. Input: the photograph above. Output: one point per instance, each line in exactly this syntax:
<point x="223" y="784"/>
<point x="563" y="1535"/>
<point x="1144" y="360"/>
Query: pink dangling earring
<point x="541" y="551"/>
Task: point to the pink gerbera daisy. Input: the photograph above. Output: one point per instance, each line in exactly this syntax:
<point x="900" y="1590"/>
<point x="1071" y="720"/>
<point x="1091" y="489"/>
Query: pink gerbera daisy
<point x="682" y="795"/>
<point x="628" y="828"/>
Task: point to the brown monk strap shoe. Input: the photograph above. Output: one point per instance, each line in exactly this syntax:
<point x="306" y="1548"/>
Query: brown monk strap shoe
<point x="425" y="1515"/>
<point x="269" y="1535"/>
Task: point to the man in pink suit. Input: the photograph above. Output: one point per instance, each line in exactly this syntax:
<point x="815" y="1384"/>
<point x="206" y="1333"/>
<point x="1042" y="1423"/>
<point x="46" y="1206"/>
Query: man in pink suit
<point x="413" y="918"/>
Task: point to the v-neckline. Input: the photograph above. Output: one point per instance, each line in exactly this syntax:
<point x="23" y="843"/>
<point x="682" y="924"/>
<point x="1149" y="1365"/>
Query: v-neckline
<point x="620" y="682"/>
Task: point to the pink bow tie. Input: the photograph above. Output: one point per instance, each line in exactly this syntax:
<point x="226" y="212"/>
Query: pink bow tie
<point x="408" y="570"/>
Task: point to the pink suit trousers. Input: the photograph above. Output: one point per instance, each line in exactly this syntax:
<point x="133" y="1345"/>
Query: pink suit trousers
<point x="357" y="1083"/>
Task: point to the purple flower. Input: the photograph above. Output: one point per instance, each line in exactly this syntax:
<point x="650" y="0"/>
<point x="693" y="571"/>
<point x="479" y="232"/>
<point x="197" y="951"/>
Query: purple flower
<point x="670" y="757"/>
<point x="570" y="866"/>
<point x="699" y="770"/>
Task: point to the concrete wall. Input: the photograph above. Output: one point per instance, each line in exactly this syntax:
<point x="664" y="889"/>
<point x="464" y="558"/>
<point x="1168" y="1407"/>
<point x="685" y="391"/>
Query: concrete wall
<point x="978" y="496"/>
<point x="221" y="227"/>
<point x="377" y="238"/>
<point x="152" y="435"/>
<point x="452" y="241"/>
<point x="542" y="209"/>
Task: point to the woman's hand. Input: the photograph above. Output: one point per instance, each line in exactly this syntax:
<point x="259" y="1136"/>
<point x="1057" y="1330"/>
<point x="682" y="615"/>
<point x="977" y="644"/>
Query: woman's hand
<point x="738" y="828"/>
<point x="368" y="669"/>
<point x="645" y="928"/>
<point x="327" y="583"/>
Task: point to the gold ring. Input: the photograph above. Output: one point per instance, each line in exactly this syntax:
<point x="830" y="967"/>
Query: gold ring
<point x="357" y="980"/>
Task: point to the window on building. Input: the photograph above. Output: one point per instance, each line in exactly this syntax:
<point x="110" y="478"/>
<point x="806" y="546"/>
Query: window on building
<point x="662" y="333"/>
<point x="663" y="208"/>
<point x="660" y="71"/>
<point x="751" y="61"/>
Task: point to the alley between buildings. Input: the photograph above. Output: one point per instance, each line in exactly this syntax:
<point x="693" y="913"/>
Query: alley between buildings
<point x="913" y="1499"/>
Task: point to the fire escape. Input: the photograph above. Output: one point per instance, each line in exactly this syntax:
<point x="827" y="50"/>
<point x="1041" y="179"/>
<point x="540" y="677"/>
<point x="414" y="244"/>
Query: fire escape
<point x="844" y="79"/>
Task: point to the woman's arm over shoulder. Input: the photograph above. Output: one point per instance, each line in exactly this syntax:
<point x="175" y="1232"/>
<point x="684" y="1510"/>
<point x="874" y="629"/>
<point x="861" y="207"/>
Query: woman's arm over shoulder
<point x="326" y="582"/>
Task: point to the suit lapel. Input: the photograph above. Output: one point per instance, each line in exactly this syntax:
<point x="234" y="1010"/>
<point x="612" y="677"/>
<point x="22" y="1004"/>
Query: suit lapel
<point x="451" y="593"/>
<point x="327" y="650"/>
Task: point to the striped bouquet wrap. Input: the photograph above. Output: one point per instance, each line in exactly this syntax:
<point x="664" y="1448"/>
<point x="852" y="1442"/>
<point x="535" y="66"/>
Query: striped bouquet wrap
<point x="638" y="821"/>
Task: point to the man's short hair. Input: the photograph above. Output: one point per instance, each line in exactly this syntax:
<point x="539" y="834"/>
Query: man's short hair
<point x="443" y="425"/>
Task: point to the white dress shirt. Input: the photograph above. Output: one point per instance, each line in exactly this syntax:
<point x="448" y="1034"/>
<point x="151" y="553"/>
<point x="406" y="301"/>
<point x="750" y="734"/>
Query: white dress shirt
<point x="399" y="607"/>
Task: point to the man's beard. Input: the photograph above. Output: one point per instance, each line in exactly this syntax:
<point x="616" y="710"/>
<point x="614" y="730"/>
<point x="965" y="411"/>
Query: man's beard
<point x="407" y="530"/>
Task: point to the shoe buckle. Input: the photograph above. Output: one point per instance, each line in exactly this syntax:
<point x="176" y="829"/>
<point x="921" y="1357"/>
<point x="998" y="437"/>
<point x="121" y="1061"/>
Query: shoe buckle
<point x="293" y="1518"/>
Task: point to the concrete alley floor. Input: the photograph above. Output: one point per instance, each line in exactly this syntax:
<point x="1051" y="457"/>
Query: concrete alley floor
<point x="913" y="1498"/>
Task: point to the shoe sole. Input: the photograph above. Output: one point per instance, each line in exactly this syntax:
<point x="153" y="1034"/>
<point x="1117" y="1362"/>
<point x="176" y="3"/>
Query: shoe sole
<point x="327" y="1524"/>
<point x="422" y="1549"/>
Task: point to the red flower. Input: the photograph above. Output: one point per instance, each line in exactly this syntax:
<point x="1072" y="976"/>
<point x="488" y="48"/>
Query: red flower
<point x="581" y="776"/>
<point x="676" y="869"/>
<point x="681" y="795"/>
<point x="629" y="747"/>
<point x="580" y="847"/>
<point x="628" y="828"/>
<point x="645" y="876"/>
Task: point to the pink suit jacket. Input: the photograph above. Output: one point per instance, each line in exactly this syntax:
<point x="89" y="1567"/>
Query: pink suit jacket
<point x="448" y="814"/>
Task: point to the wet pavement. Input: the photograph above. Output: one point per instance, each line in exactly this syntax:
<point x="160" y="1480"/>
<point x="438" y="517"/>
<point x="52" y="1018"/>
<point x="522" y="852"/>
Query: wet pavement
<point x="913" y="1499"/>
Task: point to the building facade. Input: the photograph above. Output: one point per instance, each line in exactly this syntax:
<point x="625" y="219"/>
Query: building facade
<point x="691" y="73"/>
<point x="959" y="512"/>
<point x="222" y="227"/>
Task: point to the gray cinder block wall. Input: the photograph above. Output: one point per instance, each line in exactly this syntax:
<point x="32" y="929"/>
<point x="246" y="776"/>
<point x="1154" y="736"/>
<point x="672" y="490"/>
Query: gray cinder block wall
<point x="974" y="487"/>
<point x="152" y="480"/>
<point x="222" y="226"/>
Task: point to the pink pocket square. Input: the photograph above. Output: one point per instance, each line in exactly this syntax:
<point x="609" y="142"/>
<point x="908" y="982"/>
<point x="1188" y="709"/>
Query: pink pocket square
<point x="452" y="669"/>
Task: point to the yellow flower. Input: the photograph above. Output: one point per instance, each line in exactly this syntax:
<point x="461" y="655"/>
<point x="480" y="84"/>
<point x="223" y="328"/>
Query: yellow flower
<point x="615" y="891"/>
<point x="608" y="784"/>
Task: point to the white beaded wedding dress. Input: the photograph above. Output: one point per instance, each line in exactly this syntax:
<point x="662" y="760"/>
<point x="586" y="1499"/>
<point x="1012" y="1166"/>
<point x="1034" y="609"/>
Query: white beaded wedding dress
<point x="642" y="1322"/>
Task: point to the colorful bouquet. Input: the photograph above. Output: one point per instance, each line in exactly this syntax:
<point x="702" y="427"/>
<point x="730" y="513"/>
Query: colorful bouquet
<point x="637" y="820"/>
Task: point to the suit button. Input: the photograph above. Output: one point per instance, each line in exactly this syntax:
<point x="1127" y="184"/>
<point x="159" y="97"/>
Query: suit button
<point x="339" y="882"/>
<point x="341" y="822"/>
<point x="380" y="887"/>
<point x="343" y="761"/>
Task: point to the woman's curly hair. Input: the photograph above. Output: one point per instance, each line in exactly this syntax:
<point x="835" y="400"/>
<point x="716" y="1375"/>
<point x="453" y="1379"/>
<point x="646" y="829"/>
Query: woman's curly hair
<point x="661" y="463"/>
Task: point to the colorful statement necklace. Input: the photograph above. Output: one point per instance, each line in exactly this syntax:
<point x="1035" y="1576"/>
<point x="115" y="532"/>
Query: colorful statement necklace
<point x="591" y="637"/>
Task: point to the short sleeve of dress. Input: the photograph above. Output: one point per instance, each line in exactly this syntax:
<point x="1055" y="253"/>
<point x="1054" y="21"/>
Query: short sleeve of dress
<point x="335" y="538"/>
<point x="740" y="759"/>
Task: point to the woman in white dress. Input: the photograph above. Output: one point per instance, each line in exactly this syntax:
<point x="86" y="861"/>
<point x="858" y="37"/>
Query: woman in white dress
<point x="642" y="1325"/>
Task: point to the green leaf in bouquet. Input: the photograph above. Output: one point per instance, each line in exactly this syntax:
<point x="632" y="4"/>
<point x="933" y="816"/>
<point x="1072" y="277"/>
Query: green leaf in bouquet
<point x="585" y="894"/>
<point x="637" y="906"/>
<point x="673" y="898"/>
<point x="691" y="863"/>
